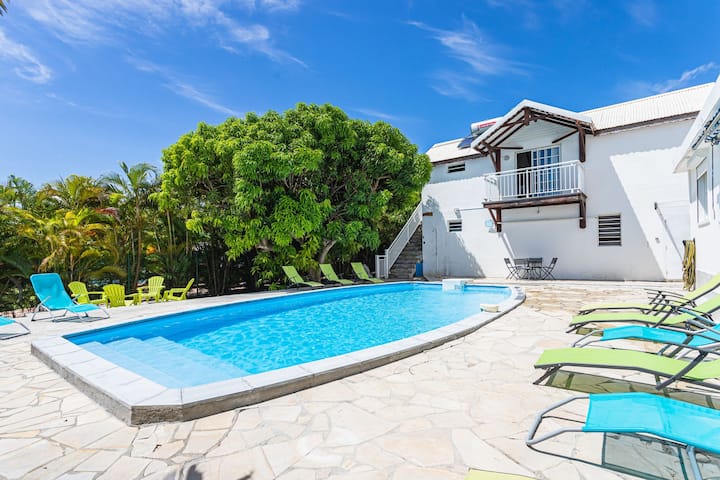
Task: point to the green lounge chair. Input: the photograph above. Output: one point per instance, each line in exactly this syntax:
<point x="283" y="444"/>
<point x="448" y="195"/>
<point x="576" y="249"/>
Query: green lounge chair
<point x="694" y="370"/>
<point x="152" y="290"/>
<point x="4" y="322"/>
<point x="676" y="316"/>
<point x="684" y="424"/>
<point x="54" y="299"/>
<point x="362" y="275"/>
<point x="329" y="273"/>
<point x="81" y="295"/>
<point x="116" y="297"/>
<point x="296" y="280"/>
<point x="178" y="293"/>
<point x="659" y="300"/>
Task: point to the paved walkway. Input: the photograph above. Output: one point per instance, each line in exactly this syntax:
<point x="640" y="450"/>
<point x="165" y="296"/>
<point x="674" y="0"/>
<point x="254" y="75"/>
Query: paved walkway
<point x="466" y="404"/>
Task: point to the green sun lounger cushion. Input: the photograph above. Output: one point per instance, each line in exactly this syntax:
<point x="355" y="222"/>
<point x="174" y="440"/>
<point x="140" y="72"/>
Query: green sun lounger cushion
<point x="296" y="280"/>
<point x="329" y="272"/>
<point x="361" y="274"/>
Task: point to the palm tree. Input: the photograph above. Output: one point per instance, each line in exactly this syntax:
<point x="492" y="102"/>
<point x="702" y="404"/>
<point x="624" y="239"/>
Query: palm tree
<point x="74" y="193"/>
<point x="132" y="192"/>
<point x="3" y="8"/>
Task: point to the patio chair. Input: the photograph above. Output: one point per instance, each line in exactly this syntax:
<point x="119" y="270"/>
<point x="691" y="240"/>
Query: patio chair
<point x="81" y="294"/>
<point x="512" y="268"/>
<point x="152" y="290"/>
<point x="4" y="322"/>
<point x="116" y="297"/>
<point x="546" y="272"/>
<point x="659" y="299"/>
<point x="684" y="424"/>
<point x="671" y="317"/>
<point x="53" y="299"/>
<point x="362" y="274"/>
<point x="296" y="280"/>
<point x="178" y="293"/>
<point x="329" y="273"/>
<point x="692" y="370"/>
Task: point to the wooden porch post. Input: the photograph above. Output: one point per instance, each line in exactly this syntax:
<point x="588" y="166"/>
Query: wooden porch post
<point x="581" y="142"/>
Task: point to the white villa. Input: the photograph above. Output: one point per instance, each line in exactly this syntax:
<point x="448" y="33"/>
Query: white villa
<point x="701" y="160"/>
<point x="595" y="189"/>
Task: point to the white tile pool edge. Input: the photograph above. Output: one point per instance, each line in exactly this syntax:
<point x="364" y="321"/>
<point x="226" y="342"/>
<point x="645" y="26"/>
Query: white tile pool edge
<point x="137" y="400"/>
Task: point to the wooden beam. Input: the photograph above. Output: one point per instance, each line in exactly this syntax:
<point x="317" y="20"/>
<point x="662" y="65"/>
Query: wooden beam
<point x="536" y="201"/>
<point x="560" y="139"/>
<point x="495" y="157"/>
<point x="583" y="219"/>
<point x="581" y="142"/>
<point x="526" y="116"/>
<point x="496" y="215"/>
<point x="500" y="140"/>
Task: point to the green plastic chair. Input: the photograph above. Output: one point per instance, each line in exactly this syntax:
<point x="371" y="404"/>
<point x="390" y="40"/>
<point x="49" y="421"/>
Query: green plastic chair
<point x="693" y="370"/>
<point x="679" y="316"/>
<point x="296" y="280"/>
<point x="178" y="293"/>
<point x="81" y="295"/>
<point x="659" y="300"/>
<point x="362" y="275"/>
<point x="116" y="297"/>
<point x="329" y="273"/>
<point x="153" y="289"/>
<point x="684" y="424"/>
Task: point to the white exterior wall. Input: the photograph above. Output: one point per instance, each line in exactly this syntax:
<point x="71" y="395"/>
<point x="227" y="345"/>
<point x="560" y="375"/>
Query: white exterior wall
<point x="626" y="172"/>
<point x="706" y="231"/>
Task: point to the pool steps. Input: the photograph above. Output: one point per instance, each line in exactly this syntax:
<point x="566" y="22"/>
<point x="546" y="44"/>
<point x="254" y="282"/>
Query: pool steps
<point x="168" y="356"/>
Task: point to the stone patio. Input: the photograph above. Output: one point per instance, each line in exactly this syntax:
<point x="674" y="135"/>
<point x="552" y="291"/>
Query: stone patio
<point x="466" y="404"/>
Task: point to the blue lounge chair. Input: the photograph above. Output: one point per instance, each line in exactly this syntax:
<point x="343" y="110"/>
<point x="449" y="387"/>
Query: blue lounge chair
<point x="704" y="337"/>
<point x="7" y="321"/>
<point x="684" y="424"/>
<point x="53" y="298"/>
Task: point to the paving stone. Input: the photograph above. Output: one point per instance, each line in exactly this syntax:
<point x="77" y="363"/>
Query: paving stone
<point x="200" y="441"/>
<point x="125" y="468"/>
<point x="100" y="461"/>
<point x="427" y="449"/>
<point x="19" y="462"/>
<point x="350" y="425"/>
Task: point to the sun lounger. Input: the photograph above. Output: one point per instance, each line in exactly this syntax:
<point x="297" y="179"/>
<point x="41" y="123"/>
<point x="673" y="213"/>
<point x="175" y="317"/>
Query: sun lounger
<point x="54" y="299"/>
<point x="693" y="370"/>
<point x="676" y="316"/>
<point x="362" y="275"/>
<point x="179" y="293"/>
<point x="329" y="273"/>
<point x="670" y="336"/>
<point x="658" y="299"/>
<point x="296" y="280"/>
<point x="5" y="322"/>
<point x="684" y="424"/>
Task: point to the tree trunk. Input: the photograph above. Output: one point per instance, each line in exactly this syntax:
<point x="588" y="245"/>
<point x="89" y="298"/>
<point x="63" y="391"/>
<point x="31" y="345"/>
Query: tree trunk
<point x="327" y="245"/>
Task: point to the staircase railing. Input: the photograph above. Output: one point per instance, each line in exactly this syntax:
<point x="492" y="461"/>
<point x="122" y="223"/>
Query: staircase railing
<point x="383" y="263"/>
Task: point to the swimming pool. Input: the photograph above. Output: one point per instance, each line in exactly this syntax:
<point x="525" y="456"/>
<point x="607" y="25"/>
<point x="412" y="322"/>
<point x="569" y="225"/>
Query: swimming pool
<point x="208" y="360"/>
<point x="193" y="348"/>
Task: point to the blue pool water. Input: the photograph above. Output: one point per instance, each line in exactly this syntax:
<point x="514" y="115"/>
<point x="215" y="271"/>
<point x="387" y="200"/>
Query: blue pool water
<point x="229" y="341"/>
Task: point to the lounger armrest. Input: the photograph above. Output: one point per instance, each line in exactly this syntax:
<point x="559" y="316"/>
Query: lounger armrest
<point x="702" y="317"/>
<point x="532" y="440"/>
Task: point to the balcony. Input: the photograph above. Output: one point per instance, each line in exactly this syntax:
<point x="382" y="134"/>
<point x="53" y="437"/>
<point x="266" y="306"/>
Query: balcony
<point x="555" y="184"/>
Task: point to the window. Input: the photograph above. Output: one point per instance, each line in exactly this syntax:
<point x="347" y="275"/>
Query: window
<point x="454" y="225"/>
<point x="543" y="179"/>
<point x="456" y="167"/>
<point x="609" y="230"/>
<point x="702" y="197"/>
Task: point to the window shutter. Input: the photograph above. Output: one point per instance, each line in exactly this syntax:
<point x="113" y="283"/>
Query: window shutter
<point x="454" y="225"/>
<point x="609" y="230"/>
<point x="456" y="167"/>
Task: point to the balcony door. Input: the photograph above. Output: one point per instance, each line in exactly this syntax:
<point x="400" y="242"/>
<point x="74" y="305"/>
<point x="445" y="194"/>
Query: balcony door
<point x="523" y="161"/>
<point x="540" y="176"/>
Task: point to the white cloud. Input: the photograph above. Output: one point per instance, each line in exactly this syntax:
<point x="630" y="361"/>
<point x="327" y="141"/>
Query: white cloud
<point x="112" y="21"/>
<point x="479" y="55"/>
<point x="26" y="65"/>
<point x="644" y="12"/>
<point x="369" y="112"/>
<point x="642" y="88"/>
<point x="471" y="47"/>
<point x="180" y="87"/>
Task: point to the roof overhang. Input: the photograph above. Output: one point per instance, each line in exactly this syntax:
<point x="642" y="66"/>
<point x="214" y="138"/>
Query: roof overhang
<point x="705" y="131"/>
<point x="521" y="116"/>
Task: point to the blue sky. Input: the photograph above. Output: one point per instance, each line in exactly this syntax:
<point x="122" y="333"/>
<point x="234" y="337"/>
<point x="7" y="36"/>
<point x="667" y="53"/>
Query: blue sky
<point x="86" y="84"/>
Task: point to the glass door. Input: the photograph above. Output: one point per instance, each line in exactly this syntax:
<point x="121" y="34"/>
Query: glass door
<point x="545" y="178"/>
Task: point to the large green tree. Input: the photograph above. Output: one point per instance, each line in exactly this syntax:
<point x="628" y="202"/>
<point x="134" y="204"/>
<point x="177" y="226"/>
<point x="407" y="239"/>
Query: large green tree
<point x="298" y="187"/>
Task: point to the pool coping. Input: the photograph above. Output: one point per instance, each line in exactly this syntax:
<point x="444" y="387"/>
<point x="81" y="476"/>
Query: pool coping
<point x="137" y="400"/>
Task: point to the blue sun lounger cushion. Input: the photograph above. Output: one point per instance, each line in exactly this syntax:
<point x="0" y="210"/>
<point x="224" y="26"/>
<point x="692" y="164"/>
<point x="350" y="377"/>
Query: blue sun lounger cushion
<point x="686" y="424"/>
<point x="694" y="339"/>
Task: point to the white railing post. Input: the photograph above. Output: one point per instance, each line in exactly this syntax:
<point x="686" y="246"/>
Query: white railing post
<point x="547" y="180"/>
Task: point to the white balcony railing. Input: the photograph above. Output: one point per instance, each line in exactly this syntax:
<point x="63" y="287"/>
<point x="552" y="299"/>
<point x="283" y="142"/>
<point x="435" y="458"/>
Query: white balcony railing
<point x="553" y="180"/>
